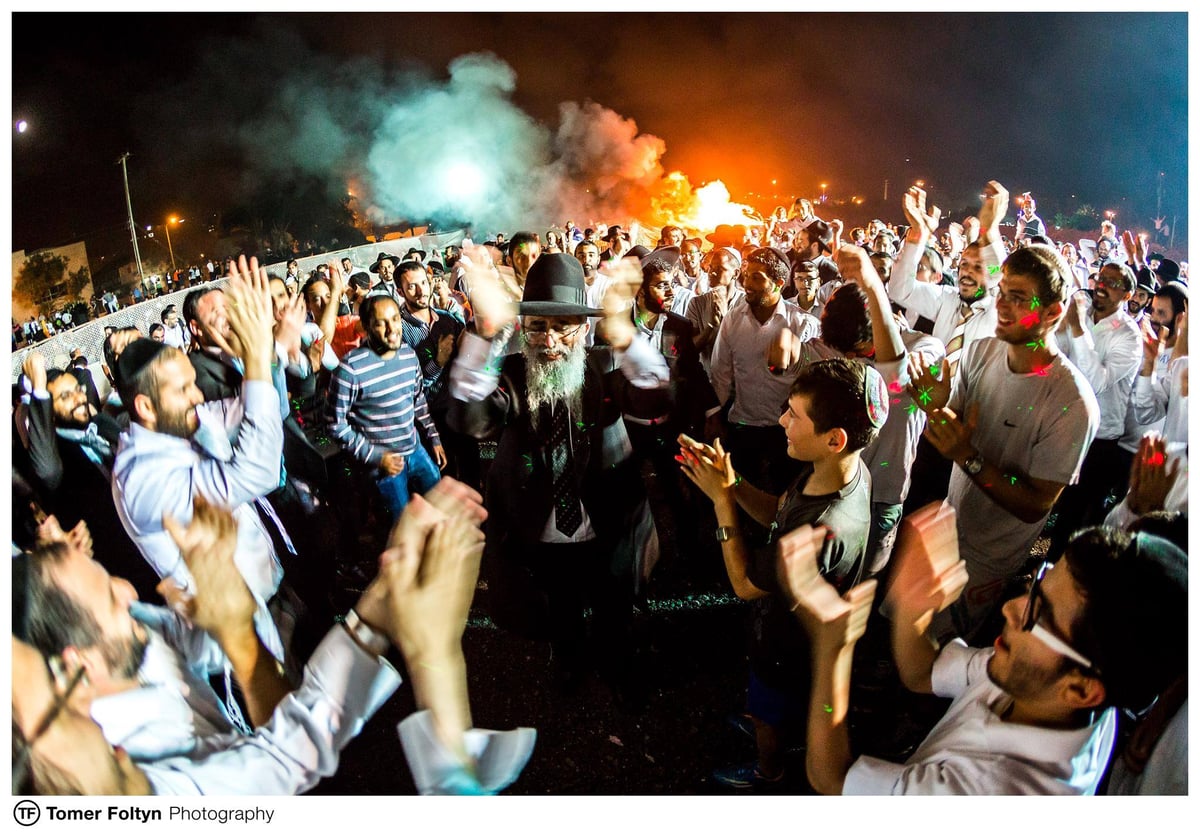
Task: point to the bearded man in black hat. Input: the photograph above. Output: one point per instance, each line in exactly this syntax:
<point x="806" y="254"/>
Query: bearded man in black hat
<point x="568" y="520"/>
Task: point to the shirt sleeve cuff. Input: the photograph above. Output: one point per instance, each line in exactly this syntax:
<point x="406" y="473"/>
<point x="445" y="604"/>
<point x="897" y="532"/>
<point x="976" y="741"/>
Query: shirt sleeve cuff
<point x="644" y="366"/>
<point x="498" y="756"/>
<point x="871" y="775"/>
<point x="475" y="373"/>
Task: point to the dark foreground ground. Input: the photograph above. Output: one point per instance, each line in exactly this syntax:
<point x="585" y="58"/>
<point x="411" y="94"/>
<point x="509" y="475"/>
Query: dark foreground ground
<point x="692" y="636"/>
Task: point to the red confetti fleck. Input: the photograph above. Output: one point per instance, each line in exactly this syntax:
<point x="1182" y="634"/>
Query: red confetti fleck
<point x="1156" y="459"/>
<point x="1030" y="319"/>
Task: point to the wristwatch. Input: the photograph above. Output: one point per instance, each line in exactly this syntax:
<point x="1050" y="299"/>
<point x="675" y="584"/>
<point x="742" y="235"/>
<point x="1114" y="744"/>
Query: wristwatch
<point x="724" y="533"/>
<point x="365" y="636"/>
<point x="973" y="464"/>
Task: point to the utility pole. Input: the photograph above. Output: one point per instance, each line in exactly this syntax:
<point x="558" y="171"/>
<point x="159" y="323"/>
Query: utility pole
<point x="137" y="256"/>
<point x="885" y="189"/>
<point x="1158" y="211"/>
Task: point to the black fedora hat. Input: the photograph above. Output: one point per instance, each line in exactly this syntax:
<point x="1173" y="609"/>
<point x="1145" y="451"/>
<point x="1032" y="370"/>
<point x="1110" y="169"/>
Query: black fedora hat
<point x="383" y="255"/>
<point x="555" y="286"/>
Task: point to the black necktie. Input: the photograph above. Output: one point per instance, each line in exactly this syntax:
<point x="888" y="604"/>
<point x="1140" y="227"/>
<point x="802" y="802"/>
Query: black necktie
<point x="568" y="515"/>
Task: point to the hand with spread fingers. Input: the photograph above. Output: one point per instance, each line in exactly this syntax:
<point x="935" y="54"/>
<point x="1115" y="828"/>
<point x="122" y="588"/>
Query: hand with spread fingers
<point x="220" y="602"/>
<point x="251" y="318"/>
<point x="1152" y="475"/>
<point x="928" y="575"/>
<point x="491" y="302"/>
<point x="929" y="383"/>
<point x="834" y="621"/>
<point x="616" y="328"/>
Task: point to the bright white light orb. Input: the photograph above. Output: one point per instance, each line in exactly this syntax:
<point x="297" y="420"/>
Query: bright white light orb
<point x="22" y="125"/>
<point x="463" y="180"/>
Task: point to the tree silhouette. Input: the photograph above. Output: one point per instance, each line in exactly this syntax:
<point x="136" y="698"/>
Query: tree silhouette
<point x="40" y="279"/>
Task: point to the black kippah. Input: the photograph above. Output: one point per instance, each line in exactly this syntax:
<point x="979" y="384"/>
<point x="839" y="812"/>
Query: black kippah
<point x="133" y="360"/>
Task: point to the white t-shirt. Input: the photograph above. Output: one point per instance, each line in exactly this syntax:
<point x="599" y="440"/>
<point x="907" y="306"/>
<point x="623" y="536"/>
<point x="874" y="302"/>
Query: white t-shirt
<point x="1034" y="425"/>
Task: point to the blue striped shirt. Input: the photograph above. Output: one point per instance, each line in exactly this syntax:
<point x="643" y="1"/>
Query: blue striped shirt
<point x="375" y="404"/>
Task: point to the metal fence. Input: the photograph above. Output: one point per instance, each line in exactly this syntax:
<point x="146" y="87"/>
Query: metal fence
<point x="89" y="337"/>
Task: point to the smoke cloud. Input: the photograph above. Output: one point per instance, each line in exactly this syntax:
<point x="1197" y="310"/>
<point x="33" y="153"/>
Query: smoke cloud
<point x="407" y="146"/>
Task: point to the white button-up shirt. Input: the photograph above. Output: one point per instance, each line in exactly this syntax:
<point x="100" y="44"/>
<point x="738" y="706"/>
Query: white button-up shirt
<point x="739" y="361"/>
<point x="1108" y="354"/>
<point x="942" y="304"/>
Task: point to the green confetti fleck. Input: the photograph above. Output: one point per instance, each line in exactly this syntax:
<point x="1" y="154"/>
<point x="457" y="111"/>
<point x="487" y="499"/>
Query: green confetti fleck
<point x="911" y="408"/>
<point x="925" y="395"/>
<point x="1012" y="480"/>
<point x="828" y="709"/>
<point x="1035" y="302"/>
<point x="994" y="269"/>
<point x="1039" y="344"/>
<point x="883" y="464"/>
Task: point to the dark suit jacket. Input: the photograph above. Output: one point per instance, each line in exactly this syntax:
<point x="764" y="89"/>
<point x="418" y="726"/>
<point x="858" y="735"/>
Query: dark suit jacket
<point x="692" y="392"/>
<point x="216" y="379"/>
<point x="519" y="497"/>
<point x="72" y="488"/>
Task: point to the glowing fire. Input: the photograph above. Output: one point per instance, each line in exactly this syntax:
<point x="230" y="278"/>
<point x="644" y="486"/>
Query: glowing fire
<point x="700" y="209"/>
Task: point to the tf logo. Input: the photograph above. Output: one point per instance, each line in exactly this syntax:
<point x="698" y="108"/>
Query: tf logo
<point x="27" y="813"/>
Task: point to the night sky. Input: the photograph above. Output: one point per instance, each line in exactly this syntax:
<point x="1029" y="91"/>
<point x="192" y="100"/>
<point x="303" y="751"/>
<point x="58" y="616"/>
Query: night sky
<point x="1077" y="108"/>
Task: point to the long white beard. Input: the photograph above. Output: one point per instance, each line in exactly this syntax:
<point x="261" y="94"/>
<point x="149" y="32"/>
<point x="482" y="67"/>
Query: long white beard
<point x="554" y="382"/>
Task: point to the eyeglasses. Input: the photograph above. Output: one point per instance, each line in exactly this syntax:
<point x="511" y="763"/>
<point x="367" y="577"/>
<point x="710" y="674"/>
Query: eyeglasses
<point x="20" y="766"/>
<point x="1033" y="612"/>
<point x="538" y="329"/>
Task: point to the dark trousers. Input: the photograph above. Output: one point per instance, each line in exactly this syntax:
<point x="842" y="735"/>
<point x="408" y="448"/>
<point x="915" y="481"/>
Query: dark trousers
<point x="540" y="591"/>
<point x="657" y="445"/>
<point x="1105" y="473"/>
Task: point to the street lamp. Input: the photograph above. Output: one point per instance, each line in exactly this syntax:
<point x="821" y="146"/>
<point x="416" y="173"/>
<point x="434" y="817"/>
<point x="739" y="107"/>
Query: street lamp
<point x="171" y="220"/>
<point x="823" y="187"/>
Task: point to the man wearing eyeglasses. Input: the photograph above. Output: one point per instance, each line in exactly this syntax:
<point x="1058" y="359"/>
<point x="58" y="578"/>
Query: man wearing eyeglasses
<point x="71" y="452"/>
<point x="568" y="519"/>
<point x="1106" y="346"/>
<point x="1035" y="713"/>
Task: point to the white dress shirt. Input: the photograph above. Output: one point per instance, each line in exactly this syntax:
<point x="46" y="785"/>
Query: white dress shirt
<point x="1108" y="354"/>
<point x="739" y="361"/>
<point x="155" y="473"/>
<point x="972" y="750"/>
<point x="943" y="304"/>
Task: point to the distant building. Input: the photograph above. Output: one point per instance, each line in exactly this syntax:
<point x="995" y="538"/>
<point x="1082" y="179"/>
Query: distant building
<point x="76" y="257"/>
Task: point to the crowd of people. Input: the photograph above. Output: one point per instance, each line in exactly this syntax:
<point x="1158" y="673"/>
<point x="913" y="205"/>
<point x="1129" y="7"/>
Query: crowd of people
<point x="895" y="406"/>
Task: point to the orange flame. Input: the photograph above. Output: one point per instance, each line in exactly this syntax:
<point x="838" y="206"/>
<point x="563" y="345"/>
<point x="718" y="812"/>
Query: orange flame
<point x="696" y="209"/>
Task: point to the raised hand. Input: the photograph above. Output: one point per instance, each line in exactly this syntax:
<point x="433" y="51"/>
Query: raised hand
<point x="924" y="222"/>
<point x="220" y="601"/>
<point x="251" y="317"/>
<point x="626" y="279"/>
<point x="34" y="369"/>
<point x="834" y="621"/>
<point x="289" y="321"/>
<point x="710" y="468"/>
<point x="430" y="573"/>
<point x="1154" y="341"/>
<point x="927" y="573"/>
<point x="855" y="266"/>
<point x="952" y="435"/>
<point x="995" y="206"/>
<point x="929" y="383"/>
<point x="1151" y="477"/>
<point x="491" y="303"/>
